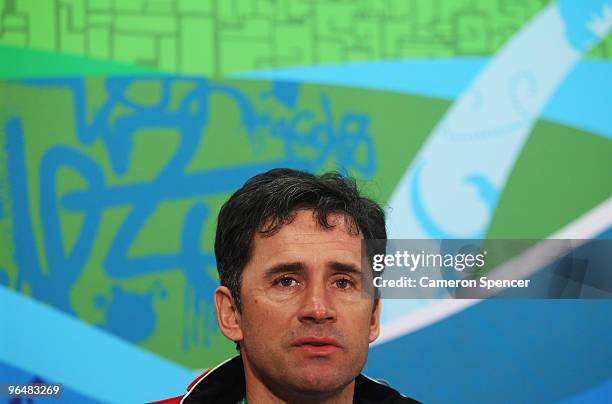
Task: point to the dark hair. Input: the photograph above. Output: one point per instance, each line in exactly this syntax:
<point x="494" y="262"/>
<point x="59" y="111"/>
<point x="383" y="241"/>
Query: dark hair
<point x="268" y="201"/>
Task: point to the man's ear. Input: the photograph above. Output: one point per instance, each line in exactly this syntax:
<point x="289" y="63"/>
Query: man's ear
<point x="228" y="316"/>
<point x="375" y="322"/>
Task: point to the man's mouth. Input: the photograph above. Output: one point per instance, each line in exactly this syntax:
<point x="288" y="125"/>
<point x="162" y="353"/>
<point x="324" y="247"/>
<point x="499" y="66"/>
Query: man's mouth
<point x="317" y="345"/>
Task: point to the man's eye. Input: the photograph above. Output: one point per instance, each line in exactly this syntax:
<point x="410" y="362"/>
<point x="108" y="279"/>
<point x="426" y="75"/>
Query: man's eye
<point x="286" y="282"/>
<point x="343" y="283"/>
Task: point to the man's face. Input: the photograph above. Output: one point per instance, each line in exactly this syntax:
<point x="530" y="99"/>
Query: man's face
<point x="306" y="322"/>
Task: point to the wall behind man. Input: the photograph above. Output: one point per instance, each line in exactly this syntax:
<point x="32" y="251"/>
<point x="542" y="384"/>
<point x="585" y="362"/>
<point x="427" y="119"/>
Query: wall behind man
<point x="126" y="124"/>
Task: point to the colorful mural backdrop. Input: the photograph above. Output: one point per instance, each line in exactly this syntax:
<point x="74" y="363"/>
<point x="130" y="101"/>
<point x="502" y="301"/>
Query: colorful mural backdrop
<point x="125" y="125"/>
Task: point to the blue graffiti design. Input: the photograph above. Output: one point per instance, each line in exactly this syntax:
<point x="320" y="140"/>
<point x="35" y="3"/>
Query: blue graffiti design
<point x="341" y="139"/>
<point x="4" y="278"/>
<point x="63" y="270"/>
<point x="70" y="266"/>
<point x="327" y="138"/>
<point x="124" y="307"/>
<point x="51" y="287"/>
<point x="285" y="92"/>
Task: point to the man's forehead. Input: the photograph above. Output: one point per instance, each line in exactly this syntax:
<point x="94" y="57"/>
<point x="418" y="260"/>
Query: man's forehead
<point x="305" y="230"/>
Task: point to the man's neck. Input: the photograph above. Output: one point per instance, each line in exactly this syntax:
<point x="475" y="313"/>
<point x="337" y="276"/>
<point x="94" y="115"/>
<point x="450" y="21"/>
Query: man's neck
<point x="258" y="393"/>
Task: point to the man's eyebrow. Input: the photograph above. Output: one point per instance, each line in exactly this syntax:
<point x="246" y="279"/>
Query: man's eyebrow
<point x="343" y="267"/>
<point x="284" y="267"/>
<point x="297" y="266"/>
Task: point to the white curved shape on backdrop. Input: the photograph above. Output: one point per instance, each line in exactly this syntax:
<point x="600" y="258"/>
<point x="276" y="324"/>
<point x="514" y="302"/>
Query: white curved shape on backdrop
<point x="450" y="189"/>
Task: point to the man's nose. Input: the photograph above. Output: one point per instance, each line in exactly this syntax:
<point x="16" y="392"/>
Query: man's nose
<point x="317" y="306"/>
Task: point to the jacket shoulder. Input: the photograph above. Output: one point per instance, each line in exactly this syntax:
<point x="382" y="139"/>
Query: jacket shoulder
<point x="369" y="390"/>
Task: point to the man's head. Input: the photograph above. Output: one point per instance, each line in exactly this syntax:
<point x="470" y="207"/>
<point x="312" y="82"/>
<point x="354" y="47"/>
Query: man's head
<point x="288" y="250"/>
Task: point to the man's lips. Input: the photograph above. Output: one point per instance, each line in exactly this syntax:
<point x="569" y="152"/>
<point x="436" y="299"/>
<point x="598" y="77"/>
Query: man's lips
<point x="317" y="345"/>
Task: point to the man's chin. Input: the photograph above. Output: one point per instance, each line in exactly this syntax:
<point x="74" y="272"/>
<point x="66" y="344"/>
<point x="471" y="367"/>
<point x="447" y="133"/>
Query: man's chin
<point x="319" y="381"/>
